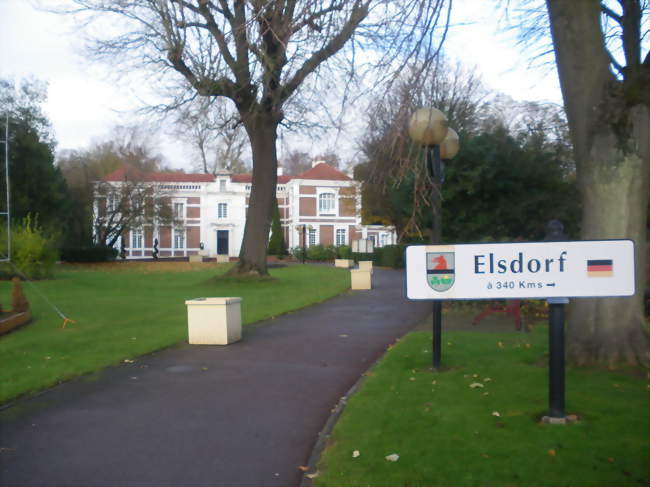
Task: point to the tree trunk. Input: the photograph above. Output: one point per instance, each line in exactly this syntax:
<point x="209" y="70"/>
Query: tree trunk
<point x="615" y="187"/>
<point x="609" y="122"/>
<point x="262" y="132"/>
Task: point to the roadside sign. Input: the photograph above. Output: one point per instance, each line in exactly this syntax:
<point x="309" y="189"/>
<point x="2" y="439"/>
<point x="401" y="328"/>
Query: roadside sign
<point x="598" y="268"/>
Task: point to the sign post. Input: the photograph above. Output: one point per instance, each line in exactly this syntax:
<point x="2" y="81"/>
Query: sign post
<point x="553" y="270"/>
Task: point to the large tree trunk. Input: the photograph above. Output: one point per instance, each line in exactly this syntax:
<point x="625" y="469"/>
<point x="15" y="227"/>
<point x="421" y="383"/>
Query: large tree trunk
<point x="615" y="191"/>
<point x="609" y="122"/>
<point x="262" y="132"/>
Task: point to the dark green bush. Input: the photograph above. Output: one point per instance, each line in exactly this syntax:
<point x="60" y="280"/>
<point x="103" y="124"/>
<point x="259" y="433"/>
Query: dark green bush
<point x="357" y="256"/>
<point x="392" y="256"/>
<point x="343" y="252"/>
<point x="94" y="253"/>
<point x="321" y="252"/>
<point x="298" y="253"/>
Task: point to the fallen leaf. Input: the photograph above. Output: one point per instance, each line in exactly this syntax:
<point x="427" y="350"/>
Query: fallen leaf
<point x="128" y="361"/>
<point x="487" y="379"/>
<point x="343" y="336"/>
<point x="304" y="468"/>
<point x="393" y="457"/>
<point x="433" y="382"/>
<point x="312" y="475"/>
<point x="551" y="453"/>
<point x="528" y="345"/>
<point x="485" y="455"/>
<point x="411" y="378"/>
<point x="495" y="413"/>
<point x="610" y="460"/>
<point x="475" y="376"/>
<point x="486" y="393"/>
<point x="355" y="453"/>
<point x="500" y="344"/>
<point x="474" y="385"/>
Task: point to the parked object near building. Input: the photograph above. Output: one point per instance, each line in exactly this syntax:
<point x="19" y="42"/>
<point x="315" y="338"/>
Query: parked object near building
<point x="211" y="211"/>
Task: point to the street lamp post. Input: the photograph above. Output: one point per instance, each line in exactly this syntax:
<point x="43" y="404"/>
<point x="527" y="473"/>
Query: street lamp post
<point x="303" y="228"/>
<point x="428" y="127"/>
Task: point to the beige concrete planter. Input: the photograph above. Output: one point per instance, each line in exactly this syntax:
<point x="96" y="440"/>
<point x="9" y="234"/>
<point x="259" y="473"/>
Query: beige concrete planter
<point x="344" y="263"/>
<point x="222" y="259"/>
<point x="361" y="279"/>
<point x="365" y="265"/>
<point x="196" y="258"/>
<point x="213" y="321"/>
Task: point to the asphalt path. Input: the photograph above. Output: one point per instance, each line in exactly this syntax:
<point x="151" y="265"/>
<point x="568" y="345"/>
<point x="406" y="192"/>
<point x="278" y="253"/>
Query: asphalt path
<point x="242" y="415"/>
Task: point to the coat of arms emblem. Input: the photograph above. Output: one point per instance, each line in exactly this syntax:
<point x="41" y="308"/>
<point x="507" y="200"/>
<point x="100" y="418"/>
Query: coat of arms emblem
<point x="440" y="270"/>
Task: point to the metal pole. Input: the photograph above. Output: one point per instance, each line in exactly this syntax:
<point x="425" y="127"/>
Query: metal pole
<point x="434" y="165"/>
<point x="6" y="141"/>
<point x="556" y="360"/>
<point x="304" y="243"/>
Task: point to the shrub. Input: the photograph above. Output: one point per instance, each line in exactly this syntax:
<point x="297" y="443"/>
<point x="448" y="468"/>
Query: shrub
<point x="276" y="244"/>
<point x="94" y="253"/>
<point x="390" y="256"/>
<point x="343" y="252"/>
<point x="298" y="253"/>
<point x="33" y="253"/>
<point x="321" y="252"/>
<point x="357" y="256"/>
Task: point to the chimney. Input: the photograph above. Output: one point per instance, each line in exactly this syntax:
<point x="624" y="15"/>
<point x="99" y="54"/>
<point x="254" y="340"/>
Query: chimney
<point x="316" y="163"/>
<point x="280" y="171"/>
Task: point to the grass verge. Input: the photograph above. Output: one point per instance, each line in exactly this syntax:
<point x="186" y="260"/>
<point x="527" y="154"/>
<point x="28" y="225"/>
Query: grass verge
<point x="123" y="311"/>
<point x="450" y="432"/>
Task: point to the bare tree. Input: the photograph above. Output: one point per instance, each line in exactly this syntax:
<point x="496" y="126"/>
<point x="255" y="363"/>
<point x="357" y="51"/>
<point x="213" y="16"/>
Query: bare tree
<point x="603" y="62"/>
<point x="215" y="133"/>
<point x="258" y="54"/>
<point x="131" y="203"/>
<point x="296" y="162"/>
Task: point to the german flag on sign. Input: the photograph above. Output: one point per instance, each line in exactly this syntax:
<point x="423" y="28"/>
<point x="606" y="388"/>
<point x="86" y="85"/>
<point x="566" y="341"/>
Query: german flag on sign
<point x="600" y="268"/>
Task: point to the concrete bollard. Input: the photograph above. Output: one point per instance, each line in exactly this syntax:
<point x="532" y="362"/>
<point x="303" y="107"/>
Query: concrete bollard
<point x="222" y="259"/>
<point x="344" y="263"/>
<point x="213" y="321"/>
<point x="365" y="265"/>
<point x="361" y="279"/>
<point x="196" y="258"/>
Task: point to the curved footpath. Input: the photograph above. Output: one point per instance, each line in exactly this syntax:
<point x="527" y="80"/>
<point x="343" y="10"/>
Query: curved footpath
<point x="243" y="415"/>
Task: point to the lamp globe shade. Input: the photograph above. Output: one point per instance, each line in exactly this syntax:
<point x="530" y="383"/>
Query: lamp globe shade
<point x="449" y="146"/>
<point x="428" y="126"/>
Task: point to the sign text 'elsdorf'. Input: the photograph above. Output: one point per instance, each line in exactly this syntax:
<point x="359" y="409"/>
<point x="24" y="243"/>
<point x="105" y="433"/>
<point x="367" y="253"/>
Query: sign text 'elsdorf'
<point x="521" y="270"/>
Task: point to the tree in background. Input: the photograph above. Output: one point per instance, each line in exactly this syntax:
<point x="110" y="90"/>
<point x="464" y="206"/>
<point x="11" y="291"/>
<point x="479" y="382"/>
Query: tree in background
<point x="296" y="162"/>
<point x="37" y="185"/>
<point x="259" y="54"/>
<point x="216" y="134"/>
<point x="125" y="146"/>
<point x="603" y="63"/>
<point x="512" y="174"/>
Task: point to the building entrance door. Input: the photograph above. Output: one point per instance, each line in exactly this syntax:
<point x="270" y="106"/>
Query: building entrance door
<point x="222" y="242"/>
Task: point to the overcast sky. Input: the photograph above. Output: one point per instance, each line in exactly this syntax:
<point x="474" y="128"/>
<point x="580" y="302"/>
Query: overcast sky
<point x="84" y="104"/>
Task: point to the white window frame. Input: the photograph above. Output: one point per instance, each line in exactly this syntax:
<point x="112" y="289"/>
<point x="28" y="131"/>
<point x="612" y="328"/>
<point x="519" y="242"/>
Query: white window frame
<point x="221" y="215"/>
<point x="183" y="212"/>
<point x="333" y="211"/>
<point x="111" y="202"/>
<point x="178" y="232"/>
<point x="312" y="237"/>
<point x="342" y="231"/>
<point x="137" y="238"/>
<point x="222" y="185"/>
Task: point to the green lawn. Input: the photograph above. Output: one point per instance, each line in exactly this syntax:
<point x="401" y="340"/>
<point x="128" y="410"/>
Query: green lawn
<point x="127" y="310"/>
<point x="448" y="433"/>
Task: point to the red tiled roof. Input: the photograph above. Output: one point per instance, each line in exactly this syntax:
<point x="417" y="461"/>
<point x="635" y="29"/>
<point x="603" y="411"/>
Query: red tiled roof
<point x="324" y="171"/>
<point x="130" y="173"/>
<point x="248" y="178"/>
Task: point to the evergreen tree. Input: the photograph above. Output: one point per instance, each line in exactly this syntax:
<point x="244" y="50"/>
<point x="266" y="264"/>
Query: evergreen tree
<point x="276" y="244"/>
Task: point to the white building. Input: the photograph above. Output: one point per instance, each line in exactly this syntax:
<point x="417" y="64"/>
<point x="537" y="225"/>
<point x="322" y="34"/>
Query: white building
<point x="210" y="212"/>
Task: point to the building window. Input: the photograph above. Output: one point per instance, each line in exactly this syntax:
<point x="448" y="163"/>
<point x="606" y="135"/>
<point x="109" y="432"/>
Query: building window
<point x="340" y="237"/>
<point x="222" y="185"/>
<point x="312" y="237"/>
<point x="179" y="211"/>
<point x="326" y="203"/>
<point x="222" y="210"/>
<point x="179" y="238"/>
<point x="136" y="238"/>
<point x="111" y="202"/>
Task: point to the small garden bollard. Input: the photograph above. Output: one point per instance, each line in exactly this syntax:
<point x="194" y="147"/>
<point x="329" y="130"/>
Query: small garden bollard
<point x="344" y="263"/>
<point x="361" y="279"/>
<point x="213" y="321"/>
